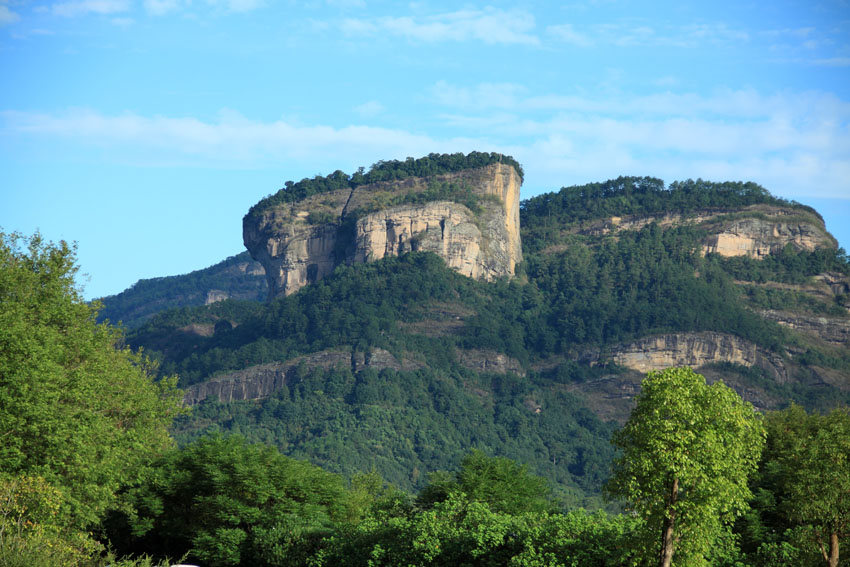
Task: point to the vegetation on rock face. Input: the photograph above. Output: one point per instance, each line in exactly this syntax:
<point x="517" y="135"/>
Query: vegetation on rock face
<point x="436" y="191"/>
<point x="543" y="217"/>
<point x="391" y="170"/>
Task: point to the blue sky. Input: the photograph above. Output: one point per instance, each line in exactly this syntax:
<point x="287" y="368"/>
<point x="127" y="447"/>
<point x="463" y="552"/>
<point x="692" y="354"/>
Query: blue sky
<point x="144" y="130"/>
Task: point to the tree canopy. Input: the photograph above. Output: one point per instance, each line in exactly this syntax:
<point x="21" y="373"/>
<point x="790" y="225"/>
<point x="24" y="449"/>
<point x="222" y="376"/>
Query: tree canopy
<point x="806" y="473"/>
<point x="76" y="409"/>
<point x="385" y="170"/>
<point x="687" y="450"/>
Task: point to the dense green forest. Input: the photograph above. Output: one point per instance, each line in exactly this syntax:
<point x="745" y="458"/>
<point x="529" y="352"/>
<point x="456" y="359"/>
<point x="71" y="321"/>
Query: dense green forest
<point x="108" y="487"/>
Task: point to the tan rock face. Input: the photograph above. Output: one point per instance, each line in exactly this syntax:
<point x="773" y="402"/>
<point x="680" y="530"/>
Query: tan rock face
<point x="695" y="350"/>
<point x="263" y="380"/>
<point x="485" y="245"/>
<point x="767" y="232"/>
<point x="758" y="238"/>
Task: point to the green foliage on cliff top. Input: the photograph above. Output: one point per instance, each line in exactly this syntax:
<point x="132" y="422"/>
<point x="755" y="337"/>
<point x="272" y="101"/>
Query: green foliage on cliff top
<point x="391" y="170"/>
<point x="544" y="216"/>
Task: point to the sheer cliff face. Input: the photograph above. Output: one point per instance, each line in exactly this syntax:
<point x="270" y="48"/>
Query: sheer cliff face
<point x="300" y="243"/>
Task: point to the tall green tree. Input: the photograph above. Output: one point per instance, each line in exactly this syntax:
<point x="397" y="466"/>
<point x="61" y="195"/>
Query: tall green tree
<point x="76" y="408"/>
<point x="687" y="450"/>
<point x="808" y="460"/>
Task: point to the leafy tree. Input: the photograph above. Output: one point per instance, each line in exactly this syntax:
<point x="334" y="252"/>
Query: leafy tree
<point x="687" y="451"/>
<point x="807" y="465"/>
<point x="76" y="410"/>
<point x="505" y="485"/>
<point x="227" y="502"/>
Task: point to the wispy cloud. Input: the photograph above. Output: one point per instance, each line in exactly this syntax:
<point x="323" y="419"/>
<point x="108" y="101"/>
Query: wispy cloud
<point x="490" y="26"/>
<point x="832" y="62"/>
<point x="230" y="141"/>
<point x="162" y="7"/>
<point x="786" y="141"/>
<point x="7" y="16"/>
<point x="484" y="95"/>
<point x="568" y="34"/>
<point x="84" y="7"/>
<point x="369" y="109"/>
<point x="639" y="33"/>
<point x="793" y="143"/>
<point x="237" y="5"/>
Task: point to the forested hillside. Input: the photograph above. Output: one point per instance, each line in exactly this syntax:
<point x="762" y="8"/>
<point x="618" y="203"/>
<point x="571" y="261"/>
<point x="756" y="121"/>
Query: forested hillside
<point x="397" y="411"/>
<point x="404" y="365"/>
<point x="237" y="277"/>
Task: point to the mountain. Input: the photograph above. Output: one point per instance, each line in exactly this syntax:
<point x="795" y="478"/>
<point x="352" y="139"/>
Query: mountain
<point x="237" y="277"/>
<point x="393" y="353"/>
<point x="470" y="218"/>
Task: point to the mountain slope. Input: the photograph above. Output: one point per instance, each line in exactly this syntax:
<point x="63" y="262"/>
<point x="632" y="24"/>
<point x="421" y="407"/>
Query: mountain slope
<point x="237" y="277"/>
<point x="404" y="364"/>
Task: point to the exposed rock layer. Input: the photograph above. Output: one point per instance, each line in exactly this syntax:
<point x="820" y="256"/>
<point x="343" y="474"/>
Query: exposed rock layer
<point x="755" y="231"/>
<point x="695" y="350"/>
<point x="835" y="330"/>
<point x="263" y="380"/>
<point x="357" y="226"/>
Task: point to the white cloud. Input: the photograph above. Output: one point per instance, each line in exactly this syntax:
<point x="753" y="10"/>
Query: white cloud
<point x="637" y="33"/>
<point x="568" y="34"/>
<point x="83" y="7"/>
<point x="786" y="141"/>
<point x="162" y="7"/>
<point x="369" y="109"/>
<point x="792" y="143"/>
<point x="490" y="26"/>
<point x="230" y="141"/>
<point x="484" y="95"/>
<point x="237" y="5"/>
<point x="833" y="62"/>
<point x="7" y="16"/>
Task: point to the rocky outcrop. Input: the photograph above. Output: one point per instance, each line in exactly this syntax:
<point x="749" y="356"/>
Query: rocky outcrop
<point x="755" y="231"/>
<point x="694" y="350"/>
<point x="302" y="242"/>
<point x="757" y="238"/>
<point x="835" y="330"/>
<point x="486" y="360"/>
<point x="263" y="380"/>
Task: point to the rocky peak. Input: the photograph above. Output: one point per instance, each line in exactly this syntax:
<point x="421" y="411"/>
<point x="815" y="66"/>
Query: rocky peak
<point x="303" y="241"/>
